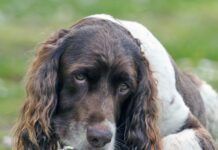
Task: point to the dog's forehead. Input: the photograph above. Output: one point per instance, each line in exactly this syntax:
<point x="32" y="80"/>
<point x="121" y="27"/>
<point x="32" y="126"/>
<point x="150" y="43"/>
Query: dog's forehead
<point x="95" y="39"/>
<point x="97" y="31"/>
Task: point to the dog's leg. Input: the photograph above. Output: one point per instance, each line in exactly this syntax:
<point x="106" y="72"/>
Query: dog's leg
<point x="210" y="98"/>
<point x="189" y="139"/>
<point x="193" y="136"/>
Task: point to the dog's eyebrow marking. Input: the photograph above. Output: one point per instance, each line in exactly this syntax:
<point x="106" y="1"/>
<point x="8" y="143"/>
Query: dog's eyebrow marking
<point x="126" y="76"/>
<point x="78" y="66"/>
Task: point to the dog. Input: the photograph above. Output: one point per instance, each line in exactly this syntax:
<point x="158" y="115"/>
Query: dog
<point x="107" y="84"/>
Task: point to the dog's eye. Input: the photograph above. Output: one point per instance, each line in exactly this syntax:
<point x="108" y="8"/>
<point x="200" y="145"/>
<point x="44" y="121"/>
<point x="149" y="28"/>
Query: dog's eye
<point x="80" y="77"/>
<point x="123" y="88"/>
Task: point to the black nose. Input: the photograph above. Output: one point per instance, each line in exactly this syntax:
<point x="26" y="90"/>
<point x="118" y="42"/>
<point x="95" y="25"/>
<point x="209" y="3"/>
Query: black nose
<point x="98" y="135"/>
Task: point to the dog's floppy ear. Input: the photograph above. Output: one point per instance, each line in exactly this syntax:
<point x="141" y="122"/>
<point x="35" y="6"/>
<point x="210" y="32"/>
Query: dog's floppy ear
<point x="34" y="130"/>
<point x="141" y="131"/>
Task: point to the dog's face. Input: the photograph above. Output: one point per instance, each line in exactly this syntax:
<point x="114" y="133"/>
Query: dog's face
<point x="97" y="74"/>
<point x="89" y="87"/>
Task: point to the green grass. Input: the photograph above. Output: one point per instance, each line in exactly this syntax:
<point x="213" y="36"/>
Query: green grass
<point x="188" y="29"/>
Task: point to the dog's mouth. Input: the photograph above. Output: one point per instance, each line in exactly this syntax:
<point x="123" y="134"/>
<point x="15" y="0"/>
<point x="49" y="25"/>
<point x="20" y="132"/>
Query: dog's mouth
<point x="73" y="148"/>
<point x="68" y="148"/>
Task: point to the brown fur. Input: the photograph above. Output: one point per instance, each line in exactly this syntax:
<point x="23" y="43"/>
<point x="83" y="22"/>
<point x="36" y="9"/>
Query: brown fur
<point x="41" y="96"/>
<point x="188" y="85"/>
<point x="152" y="114"/>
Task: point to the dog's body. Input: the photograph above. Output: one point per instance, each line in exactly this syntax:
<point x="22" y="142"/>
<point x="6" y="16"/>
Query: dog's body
<point x="157" y="105"/>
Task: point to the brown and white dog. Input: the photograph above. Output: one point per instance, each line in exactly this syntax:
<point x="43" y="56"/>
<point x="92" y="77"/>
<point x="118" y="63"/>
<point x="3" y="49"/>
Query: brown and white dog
<point x="109" y="84"/>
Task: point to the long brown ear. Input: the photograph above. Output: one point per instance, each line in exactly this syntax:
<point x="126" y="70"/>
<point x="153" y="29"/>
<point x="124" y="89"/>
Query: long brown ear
<point x="34" y="129"/>
<point x="141" y="131"/>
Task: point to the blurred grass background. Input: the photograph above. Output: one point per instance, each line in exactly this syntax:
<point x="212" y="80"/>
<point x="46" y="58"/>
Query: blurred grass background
<point x="188" y="29"/>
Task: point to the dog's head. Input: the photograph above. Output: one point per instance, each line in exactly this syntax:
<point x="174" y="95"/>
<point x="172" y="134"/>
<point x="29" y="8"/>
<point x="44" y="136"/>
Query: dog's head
<point x="90" y="87"/>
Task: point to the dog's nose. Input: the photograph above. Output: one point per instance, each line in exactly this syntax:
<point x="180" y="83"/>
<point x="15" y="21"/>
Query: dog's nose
<point x="98" y="135"/>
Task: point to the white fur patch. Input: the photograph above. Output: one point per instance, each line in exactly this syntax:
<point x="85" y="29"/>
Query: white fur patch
<point x="172" y="116"/>
<point x="185" y="140"/>
<point x="76" y="136"/>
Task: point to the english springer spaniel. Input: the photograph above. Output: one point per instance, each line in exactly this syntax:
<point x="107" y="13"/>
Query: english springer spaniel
<point x="106" y="84"/>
